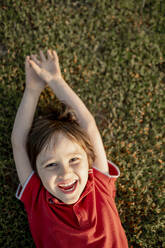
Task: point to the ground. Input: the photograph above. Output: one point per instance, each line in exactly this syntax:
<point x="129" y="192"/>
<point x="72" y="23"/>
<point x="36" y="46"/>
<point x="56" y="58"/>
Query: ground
<point x="112" y="53"/>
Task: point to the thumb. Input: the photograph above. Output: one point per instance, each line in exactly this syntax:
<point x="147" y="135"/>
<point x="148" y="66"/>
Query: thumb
<point x="43" y="74"/>
<point x="36" y="68"/>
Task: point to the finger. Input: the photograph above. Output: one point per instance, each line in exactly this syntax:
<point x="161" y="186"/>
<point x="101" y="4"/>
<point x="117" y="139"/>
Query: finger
<point x="27" y="65"/>
<point x="34" y="58"/>
<point x="55" y="55"/>
<point x="42" y="56"/>
<point x="49" y="54"/>
<point x="44" y="75"/>
<point x="35" y="66"/>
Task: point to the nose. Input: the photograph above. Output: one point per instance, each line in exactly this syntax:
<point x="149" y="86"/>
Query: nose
<point x="65" y="170"/>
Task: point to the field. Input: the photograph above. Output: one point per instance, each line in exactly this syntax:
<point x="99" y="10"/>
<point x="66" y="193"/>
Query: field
<point x="112" y="53"/>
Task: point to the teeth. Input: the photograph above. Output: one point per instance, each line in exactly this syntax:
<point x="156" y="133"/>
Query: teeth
<point x="68" y="184"/>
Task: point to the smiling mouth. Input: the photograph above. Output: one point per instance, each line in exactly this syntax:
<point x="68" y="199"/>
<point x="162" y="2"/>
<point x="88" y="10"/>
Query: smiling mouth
<point x="68" y="188"/>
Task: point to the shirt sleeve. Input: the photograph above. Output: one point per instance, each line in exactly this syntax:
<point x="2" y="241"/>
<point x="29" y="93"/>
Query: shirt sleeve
<point x="29" y="193"/>
<point x="106" y="181"/>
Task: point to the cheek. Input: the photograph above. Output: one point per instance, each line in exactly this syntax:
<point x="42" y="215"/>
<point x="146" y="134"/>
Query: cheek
<point x="83" y="169"/>
<point x="47" y="178"/>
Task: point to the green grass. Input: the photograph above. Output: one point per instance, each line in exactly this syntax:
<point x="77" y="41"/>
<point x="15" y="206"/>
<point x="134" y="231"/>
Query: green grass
<point x="112" y="53"/>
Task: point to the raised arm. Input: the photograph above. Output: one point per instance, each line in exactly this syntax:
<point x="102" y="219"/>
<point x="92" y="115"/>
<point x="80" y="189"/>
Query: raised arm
<point x="23" y="122"/>
<point x="49" y="70"/>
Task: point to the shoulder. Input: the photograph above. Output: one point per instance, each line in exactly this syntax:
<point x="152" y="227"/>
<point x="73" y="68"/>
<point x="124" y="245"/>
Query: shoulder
<point x="105" y="182"/>
<point x="28" y="193"/>
<point x="113" y="171"/>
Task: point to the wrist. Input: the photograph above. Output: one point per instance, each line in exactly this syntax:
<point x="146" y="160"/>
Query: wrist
<point x="55" y="80"/>
<point x="33" y="92"/>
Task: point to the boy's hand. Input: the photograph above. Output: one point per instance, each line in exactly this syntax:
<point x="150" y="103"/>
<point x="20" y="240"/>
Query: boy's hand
<point x="47" y="69"/>
<point x="33" y="81"/>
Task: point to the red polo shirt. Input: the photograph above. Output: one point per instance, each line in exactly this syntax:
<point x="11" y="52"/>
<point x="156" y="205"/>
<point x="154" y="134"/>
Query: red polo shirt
<point x="92" y="222"/>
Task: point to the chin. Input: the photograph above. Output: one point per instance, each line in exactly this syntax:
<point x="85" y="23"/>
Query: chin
<point x="71" y="201"/>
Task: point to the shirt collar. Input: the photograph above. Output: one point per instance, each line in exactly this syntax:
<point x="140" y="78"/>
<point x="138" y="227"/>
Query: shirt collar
<point x="87" y="190"/>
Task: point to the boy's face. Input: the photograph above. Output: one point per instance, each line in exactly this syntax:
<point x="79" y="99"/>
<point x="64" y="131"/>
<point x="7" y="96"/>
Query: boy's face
<point x="63" y="169"/>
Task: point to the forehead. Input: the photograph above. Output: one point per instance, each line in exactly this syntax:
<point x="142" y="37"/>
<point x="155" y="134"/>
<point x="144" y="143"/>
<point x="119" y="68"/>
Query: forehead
<point x="61" y="143"/>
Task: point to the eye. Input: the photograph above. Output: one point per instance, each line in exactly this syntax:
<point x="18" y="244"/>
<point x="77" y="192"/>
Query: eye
<point x="51" y="165"/>
<point x="72" y="160"/>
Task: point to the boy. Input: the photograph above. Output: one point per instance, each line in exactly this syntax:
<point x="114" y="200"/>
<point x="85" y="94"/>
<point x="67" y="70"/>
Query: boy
<point x="69" y="203"/>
